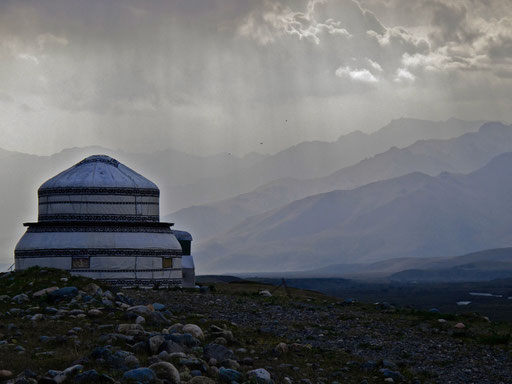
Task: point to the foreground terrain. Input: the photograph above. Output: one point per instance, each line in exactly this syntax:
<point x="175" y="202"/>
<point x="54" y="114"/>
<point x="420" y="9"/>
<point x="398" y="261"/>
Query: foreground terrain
<point x="83" y="332"/>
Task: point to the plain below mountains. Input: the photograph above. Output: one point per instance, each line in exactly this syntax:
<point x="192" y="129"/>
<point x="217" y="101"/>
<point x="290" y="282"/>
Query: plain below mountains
<point x="462" y="154"/>
<point x="415" y="215"/>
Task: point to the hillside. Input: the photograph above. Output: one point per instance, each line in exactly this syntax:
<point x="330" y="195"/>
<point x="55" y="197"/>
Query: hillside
<point x="411" y="216"/>
<point x="311" y="160"/>
<point x="461" y="154"/>
<point x="85" y="333"/>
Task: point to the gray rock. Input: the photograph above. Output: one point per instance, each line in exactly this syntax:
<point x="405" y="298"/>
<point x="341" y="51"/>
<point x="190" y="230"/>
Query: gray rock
<point x="260" y="375"/>
<point x="217" y="352"/>
<point x="166" y="371"/>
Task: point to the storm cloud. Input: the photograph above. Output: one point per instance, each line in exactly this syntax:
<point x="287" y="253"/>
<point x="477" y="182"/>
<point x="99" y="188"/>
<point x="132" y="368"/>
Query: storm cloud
<point x="228" y="75"/>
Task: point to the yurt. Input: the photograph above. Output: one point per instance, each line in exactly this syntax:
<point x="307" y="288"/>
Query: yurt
<point x="100" y="219"/>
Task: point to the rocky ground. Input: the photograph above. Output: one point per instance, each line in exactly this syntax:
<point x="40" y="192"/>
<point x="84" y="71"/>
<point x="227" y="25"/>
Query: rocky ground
<point x="56" y="328"/>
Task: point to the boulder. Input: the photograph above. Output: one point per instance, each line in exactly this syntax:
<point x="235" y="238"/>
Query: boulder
<point x="93" y="289"/>
<point x="260" y="375"/>
<point x="194" y="330"/>
<point x="68" y="373"/>
<point x="5" y="374"/>
<point x="159" y="307"/>
<point x="265" y="293"/>
<point x="166" y="371"/>
<point x="63" y="293"/>
<point x="45" y="291"/>
<point x="229" y="375"/>
<point x="140" y="375"/>
<point x="201" y="380"/>
<point x="217" y="352"/>
<point x="21" y="298"/>
<point x="155" y="342"/>
<point x="94" y="313"/>
<point x="143" y="310"/>
<point x="281" y="349"/>
<point x="92" y="377"/>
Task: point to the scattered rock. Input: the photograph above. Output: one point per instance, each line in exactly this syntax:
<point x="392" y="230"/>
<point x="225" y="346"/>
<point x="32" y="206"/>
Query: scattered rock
<point x="45" y="291"/>
<point x="94" y="313"/>
<point x="229" y="375"/>
<point x="155" y="343"/>
<point x="63" y="293"/>
<point x="265" y="293"/>
<point x="21" y="298"/>
<point x="194" y="330"/>
<point x="460" y="326"/>
<point x="201" y="380"/>
<point x="5" y="374"/>
<point x="217" y="352"/>
<point x="166" y="371"/>
<point x="281" y="349"/>
<point x="260" y="375"/>
<point x="140" y="310"/>
<point x="140" y="375"/>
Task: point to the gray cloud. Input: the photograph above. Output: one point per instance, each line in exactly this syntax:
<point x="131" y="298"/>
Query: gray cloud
<point x="226" y="74"/>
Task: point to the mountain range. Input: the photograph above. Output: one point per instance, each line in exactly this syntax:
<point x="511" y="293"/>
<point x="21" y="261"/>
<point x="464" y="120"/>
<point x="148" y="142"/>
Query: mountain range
<point x="415" y="215"/>
<point x="460" y="154"/>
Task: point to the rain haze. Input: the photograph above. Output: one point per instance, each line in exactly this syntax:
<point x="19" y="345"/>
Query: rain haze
<point x="239" y="76"/>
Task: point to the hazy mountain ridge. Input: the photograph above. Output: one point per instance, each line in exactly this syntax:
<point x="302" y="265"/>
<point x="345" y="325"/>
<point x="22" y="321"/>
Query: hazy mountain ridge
<point x="461" y="154"/>
<point x="410" y="216"/>
<point x="317" y="159"/>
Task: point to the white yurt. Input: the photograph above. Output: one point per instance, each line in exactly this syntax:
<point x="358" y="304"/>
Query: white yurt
<point x="100" y="219"/>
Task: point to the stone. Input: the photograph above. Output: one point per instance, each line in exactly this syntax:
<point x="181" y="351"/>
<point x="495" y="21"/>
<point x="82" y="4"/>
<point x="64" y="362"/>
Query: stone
<point x="37" y="317"/>
<point x="157" y="318"/>
<point x="194" y="330"/>
<point x="172" y="347"/>
<point x="260" y="375"/>
<point x="201" y="380"/>
<point x="460" y="326"/>
<point x="217" y="352"/>
<point x="155" y="342"/>
<point x="45" y="291"/>
<point x="230" y="363"/>
<point x="140" y="375"/>
<point x="5" y="374"/>
<point x="265" y="293"/>
<point x="125" y="328"/>
<point x="166" y="371"/>
<point x="21" y="298"/>
<point x="281" y="349"/>
<point x="229" y="375"/>
<point x="176" y="328"/>
<point x="159" y="307"/>
<point x="94" y="313"/>
<point x="140" y="310"/>
<point x="63" y="293"/>
<point x="67" y="373"/>
<point x="93" y="289"/>
<point x="140" y="320"/>
<point x="131" y="361"/>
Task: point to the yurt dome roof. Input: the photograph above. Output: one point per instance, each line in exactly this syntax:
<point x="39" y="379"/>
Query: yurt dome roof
<point x="98" y="171"/>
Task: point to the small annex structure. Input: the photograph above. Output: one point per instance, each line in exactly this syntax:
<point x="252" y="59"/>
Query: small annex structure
<point x="100" y="219"/>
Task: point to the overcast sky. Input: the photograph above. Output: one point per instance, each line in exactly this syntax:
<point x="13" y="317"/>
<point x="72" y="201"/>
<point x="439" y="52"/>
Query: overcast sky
<point x="207" y="76"/>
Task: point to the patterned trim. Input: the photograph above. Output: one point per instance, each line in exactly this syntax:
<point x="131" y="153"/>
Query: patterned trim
<point x="131" y="218"/>
<point x="112" y="229"/>
<point x="98" y="191"/>
<point x="99" y="202"/>
<point x="147" y="282"/>
<point x="97" y="159"/>
<point x="111" y="252"/>
<point x="122" y="270"/>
